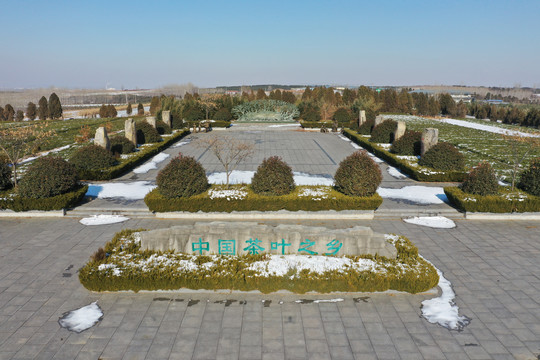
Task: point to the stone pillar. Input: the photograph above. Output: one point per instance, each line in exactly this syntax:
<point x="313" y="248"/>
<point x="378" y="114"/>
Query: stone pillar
<point x="430" y="138"/>
<point x="152" y="121"/>
<point x="130" y="131"/>
<point x="362" y="118"/>
<point x="166" y="117"/>
<point x="378" y="120"/>
<point x="101" y="138"/>
<point x="400" y="130"/>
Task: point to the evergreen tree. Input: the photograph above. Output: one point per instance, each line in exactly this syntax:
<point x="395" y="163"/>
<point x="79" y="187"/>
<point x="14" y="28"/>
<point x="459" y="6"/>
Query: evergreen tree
<point x="307" y="94"/>
<point x="43" y="108"/>
<point x="55" y="108"/>
<point x="19" y="115"/>
<point x="140" y="109"/>
<point x="447" y="104"/>
<point x="2" y="117"/>
<point x="103" y="111"/>
<point x="129" y="110"/>
<point x="433" y="106"/>
<point x="9" y="112"/>
<point x="111" y="111"/>
<point x="154" y="105"/>
<point x="288" y="96"/>
<point x="31" y="111"/>
<point x="348" y="96"/>
<point x="260" y="94"/>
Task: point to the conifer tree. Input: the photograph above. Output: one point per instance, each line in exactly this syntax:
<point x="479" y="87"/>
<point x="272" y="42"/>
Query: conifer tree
<point x="55" y="108"/>
<point x="19" y="115"/>
<point x="140" y="109"/>
<point x="261" y="94"/>
<point x="154" y="105"/>
<point x="31" y="111"/>
<point x="43" y="108"/>
<point x="9" y="112"/>
<point x="2" y="118"/>
<point x="307" y="94"/>
<point x="129" y="110"/>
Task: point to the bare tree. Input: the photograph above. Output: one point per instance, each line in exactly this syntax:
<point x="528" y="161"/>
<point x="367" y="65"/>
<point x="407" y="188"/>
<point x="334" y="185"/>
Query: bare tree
<point x="520" y="147"/>
<point x="229" y="151"/>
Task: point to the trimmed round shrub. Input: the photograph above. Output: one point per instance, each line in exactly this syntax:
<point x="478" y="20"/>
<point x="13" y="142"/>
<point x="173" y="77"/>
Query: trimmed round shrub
<point x="384" y="132"/>
<point x="223" y="114"/>
<point x="182" y="177"/>
<point x="5" y="174"/>
<point x="343" y="116"/>
<point x="366" y="127"/>
<point x="443" y="156"/>
<point x="408" y="144"/>
<point x="146" y="133"/>
<point x="358" y="175"/>
<point x="48" y="176"/>
<point x="163" y="128"/>
<point x="121" y="145"/>
<point x="481" y="180"/>
<point x="92" y="157"/>
<point x="529" y="179"/>
<point x="273" y="177"/>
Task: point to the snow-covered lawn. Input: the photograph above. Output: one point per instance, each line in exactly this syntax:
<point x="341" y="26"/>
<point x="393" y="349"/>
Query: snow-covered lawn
<point x="416" y="194"/>
<point x="130" y="191"/>
<point x="103" y="219"/>
<point x="81" y="319"/>
<point x="152" y="164"/>
<point x="439" y="222"/>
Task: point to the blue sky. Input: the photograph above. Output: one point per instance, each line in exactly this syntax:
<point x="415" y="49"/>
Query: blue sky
<point x="210" y="43"/>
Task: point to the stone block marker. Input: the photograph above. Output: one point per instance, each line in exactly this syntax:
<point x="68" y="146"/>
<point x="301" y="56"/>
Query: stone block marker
<point x="430" y="138"/>
<point x="378" y="120"/>
<point x="362" y="119"/>
<point x="166" y="116"/>
<point x="102" y="139"/>
<point x="152" y="121"/>
<point x="131" y="131"/>
<point x="400" y="130"/>
<point x="238" y="238"/>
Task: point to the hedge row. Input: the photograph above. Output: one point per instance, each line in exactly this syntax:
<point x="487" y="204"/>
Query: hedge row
<point x="9" y="200"/>
<point x="254" y="202"/>
<point x="133" y="161"/>
<point x="215" y="123"/>
<point x="409" y="272"/>
<point x="501" y="203"/>
<point x="402" y="165"/>
<point x="316" y="124"/>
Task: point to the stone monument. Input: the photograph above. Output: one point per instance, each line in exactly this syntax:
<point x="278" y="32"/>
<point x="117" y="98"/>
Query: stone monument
<point x="166" y="116"/>
<point x="362" y="119"/>
<point x="130" y="131"/>
<point x="400" y="130"/>
<point x="238" y="238"/>
<point x="101" y="138"/>
<point x="152" y="121"/>
<point x="430" y="138"/>
<point x="378" y="120"/>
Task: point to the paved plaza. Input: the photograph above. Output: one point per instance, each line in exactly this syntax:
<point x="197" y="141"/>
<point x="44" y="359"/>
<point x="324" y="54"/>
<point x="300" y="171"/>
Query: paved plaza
<point x="493" y="267"/>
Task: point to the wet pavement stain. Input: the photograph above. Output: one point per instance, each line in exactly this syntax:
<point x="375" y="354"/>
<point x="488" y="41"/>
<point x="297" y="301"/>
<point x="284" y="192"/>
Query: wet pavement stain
<point x="361" y="299"/>
<point x="193" y="302"/>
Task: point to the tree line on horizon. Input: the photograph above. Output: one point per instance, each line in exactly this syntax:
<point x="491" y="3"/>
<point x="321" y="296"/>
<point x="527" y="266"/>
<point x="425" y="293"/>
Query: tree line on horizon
<point x="46" y="109"/>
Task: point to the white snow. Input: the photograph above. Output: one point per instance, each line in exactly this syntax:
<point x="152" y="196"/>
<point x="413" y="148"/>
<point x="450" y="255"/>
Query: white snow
<point x="244" y="177"/>
<point x="181" y="143"/>
<point x="45" y="153"/>
<point x="492" y="129"/>
<point x="129" y="191"/>
<point x="321" y="301"/>
<point x="353" y="144"/>
<point x="443" y="310"/>
<point x="281" y="265"/>
<point x="103" y="219"/>
<point x="285" y="125"/>
<point x="416" y="194"/>
<point x="395" y="173"/>
<point x="231" y="194"/>
<point x="81" y="319"/>
<point x="376" y="159"/>
<point x="439" y="222"/>
<point x="152" y="164"/>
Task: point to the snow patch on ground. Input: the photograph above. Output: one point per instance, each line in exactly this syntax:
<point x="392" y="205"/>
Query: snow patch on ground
<point x="376" y="159"/>
<point x="492" y="129"/>
<point x="285" y="125"/>
<point x="302" y="301"/>
<point x="81" y="319"/>
<point x="438" y="222"/>
<point x="181" y="143"/>
<point x="130" y="191"/>
<point x="244" y="177"/>
<point x="395" y="173"/>
<point x="443" y="310"/>
<point x="152" y="164"/>
<point x="353" y="144"/>
<point x="416" y="194"/>
<point x="45" y="153"/>
<point x="103" y="219"/>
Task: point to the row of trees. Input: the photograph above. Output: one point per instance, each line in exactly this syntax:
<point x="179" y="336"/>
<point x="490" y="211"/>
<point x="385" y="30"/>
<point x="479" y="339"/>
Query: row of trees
<point x="508" y="115"/>
<point x="51" y="109"/>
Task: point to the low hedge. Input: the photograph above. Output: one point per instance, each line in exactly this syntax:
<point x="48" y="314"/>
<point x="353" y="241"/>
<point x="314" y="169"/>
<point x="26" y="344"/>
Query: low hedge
<point x="214" y="123"/>
<point x="316" y="124"/>
<point x="412" y="171"/>
<point x="10" y="200"/>
<point x="504" y="202"/>
<point x="254" y="202"/>
<point x="118" y="267"/>
<point x="133" y="161"/>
